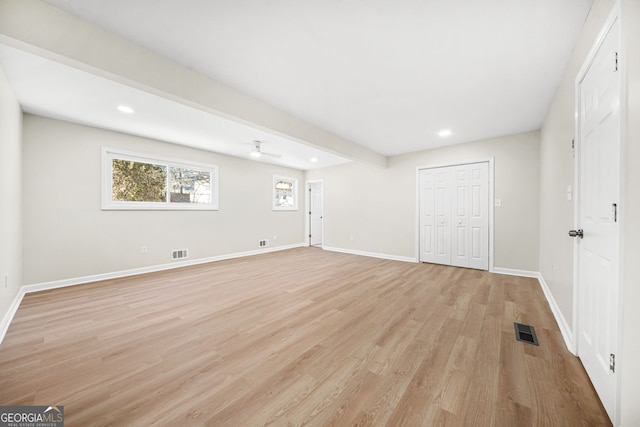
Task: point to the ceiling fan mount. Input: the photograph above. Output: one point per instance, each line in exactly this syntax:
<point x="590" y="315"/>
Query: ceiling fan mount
<point x="256" y="151"/>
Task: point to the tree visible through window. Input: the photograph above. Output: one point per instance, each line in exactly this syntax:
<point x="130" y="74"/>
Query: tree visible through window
<point x="138" y="182"/>
<point x="141" y="182"/>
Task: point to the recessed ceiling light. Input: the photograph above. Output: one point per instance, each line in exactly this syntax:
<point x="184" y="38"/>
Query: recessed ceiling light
<point x="444" y="132"/>
<point x="125" y="109"/>
<point x="255" y="153"/>
<point x="313" y="159"/>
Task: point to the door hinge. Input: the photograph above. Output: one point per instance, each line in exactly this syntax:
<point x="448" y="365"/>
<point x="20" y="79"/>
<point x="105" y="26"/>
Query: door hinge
<point x="616" y="65"/>
<point x="612" y="363"/>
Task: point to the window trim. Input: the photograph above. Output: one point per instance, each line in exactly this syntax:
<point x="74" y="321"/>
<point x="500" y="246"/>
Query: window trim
<point x="294" y="190"/>
<point x="109" y="154"/>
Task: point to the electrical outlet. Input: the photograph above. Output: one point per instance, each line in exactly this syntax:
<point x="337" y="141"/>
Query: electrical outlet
<point x="144" y="250"/>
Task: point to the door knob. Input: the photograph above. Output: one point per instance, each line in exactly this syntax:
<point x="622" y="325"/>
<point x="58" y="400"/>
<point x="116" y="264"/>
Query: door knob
<point x="579" y="232"/>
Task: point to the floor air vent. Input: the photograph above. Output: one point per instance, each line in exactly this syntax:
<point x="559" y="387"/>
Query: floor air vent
<point x="525" y="333"/>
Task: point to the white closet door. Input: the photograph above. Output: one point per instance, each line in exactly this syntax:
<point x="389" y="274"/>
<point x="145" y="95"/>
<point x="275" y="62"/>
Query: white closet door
<point x="479" y="215"/>
<point x="454" y="215"/>
<point x="427" y="220"/>
<point x="435" y="215"/>
<point x="442" y="216"/>
<point x="460" y="248"/>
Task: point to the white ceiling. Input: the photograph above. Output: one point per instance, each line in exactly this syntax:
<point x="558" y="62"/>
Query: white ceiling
<point x="51" y="89"/>
<point x="385" y="74"/>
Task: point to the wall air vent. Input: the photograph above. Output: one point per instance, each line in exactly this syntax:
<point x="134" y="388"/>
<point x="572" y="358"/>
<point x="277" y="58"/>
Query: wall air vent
<point x="179" y="254"/>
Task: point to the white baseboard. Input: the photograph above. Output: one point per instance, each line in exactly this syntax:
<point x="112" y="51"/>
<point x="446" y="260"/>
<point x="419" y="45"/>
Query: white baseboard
<point x="151" y="269"/>
<point x="567" y="335"/>
<point x="37" y="287"/>
<point x="371" y="254"/>
<point x="512" y="272"/>
<point x="8" y="316"/>
<point x="565" y="330"/>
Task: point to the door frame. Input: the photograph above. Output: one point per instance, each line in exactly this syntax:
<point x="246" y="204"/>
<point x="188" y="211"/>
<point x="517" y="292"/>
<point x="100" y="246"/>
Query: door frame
<point x="614" y="17"/>
<point x="489" y="160"/>
<point x="307" y="206"/>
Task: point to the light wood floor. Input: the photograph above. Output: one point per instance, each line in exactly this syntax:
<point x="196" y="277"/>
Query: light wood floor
<point x="299" y="337"/>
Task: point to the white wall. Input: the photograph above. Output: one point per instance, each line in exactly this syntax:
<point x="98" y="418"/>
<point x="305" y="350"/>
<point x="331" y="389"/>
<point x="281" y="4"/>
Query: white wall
<point x="629" y="343"/>
<point x="67" y="235"/>
<point x="377" y="207"/>
<point x="10" y="195"/>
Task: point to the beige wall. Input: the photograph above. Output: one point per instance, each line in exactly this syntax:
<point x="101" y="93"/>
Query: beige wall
<point x="10" y="195"/>
<point x="377" y="207"/>
<point x="67" y="235"/>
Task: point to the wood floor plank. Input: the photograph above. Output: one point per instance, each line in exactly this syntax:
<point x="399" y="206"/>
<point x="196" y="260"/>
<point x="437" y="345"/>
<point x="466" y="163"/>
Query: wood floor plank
<point x="292" y="338"/>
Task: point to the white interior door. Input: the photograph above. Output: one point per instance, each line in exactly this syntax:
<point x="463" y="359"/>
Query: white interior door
<point x="315" y="213"/>
<point x="598" y="198"/>
<point x="454" y="215"/>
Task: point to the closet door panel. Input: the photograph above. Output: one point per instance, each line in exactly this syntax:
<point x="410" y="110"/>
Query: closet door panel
<point x="443" y="216"/>
<point x="479" y="218"/>
<point x="461" y="209"/>
<point x="427" y="218"/>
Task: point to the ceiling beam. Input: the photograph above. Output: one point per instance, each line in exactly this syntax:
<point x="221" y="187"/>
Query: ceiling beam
<point x="39" y="28"/>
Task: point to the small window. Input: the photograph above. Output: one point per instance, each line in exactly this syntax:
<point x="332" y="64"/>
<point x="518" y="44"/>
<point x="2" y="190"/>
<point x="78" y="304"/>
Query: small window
<point x="285" y="193"/>
<point x="138" y="181"/>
